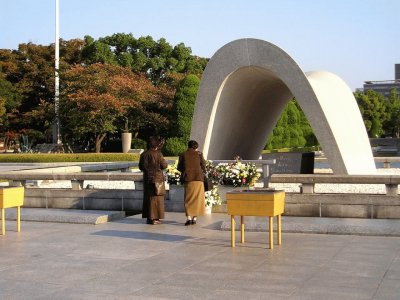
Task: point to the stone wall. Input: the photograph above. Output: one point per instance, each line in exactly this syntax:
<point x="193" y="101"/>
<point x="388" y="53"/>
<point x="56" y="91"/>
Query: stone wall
<point x="376" y="206"/>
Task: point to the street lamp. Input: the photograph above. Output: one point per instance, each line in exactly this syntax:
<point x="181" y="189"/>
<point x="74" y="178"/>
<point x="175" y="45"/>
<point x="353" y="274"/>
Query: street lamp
<point x="56" y="126"/>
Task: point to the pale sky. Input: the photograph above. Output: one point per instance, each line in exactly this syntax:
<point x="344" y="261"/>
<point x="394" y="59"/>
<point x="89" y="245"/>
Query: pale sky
<point x="356" y="39"/>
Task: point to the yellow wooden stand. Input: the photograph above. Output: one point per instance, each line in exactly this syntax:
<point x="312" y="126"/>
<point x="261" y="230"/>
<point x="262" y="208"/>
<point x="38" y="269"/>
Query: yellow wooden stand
<point x="256" y="203"/>
<point x="11" y="197"/>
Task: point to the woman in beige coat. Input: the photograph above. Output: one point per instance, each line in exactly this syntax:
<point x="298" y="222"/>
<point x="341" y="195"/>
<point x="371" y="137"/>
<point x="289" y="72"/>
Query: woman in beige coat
<point x="192" y="166"/>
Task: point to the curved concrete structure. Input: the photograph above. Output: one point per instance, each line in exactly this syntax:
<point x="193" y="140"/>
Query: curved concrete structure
<point x="243" y="91"/>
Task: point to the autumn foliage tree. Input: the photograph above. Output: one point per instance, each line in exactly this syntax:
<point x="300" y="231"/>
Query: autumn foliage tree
<point x="99" y="98"/>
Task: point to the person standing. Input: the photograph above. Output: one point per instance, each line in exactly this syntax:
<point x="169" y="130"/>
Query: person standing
<point x="151" y="163"/>
<point x="192" y="166"/>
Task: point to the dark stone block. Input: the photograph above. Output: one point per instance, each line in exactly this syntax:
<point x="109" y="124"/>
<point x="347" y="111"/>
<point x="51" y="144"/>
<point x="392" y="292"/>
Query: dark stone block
<point x="290" y="163"/>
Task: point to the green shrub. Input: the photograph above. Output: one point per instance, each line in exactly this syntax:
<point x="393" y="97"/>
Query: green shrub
<point x="174" y="146"/>
<point x="64" y="157"/>
<point x="138" y="144"/>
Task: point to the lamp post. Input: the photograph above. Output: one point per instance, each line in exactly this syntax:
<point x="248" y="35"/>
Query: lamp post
<point x="56" y="127"/>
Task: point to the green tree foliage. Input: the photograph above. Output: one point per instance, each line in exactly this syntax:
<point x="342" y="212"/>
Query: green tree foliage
<point x="292" y="129"/>
<point x="373" y="109"/>
<point x="97" y="52"/>
<point x="392" y="125"/>
<point x="175" y="146"/>
<point x="30" y="71"/>
<point x="184" y="101"/>
<point x="154" y="58"/>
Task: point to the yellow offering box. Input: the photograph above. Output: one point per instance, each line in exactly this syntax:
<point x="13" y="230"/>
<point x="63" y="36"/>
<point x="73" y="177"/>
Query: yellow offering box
<point x="11" y="197"/>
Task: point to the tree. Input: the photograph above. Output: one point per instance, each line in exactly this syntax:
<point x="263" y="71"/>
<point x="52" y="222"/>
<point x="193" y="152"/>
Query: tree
<point x="184" y="101"/>
<point x="392" y="125"/>
<point x="96" y="97"/>
<point x="30" y="71"/>
<point x="292" y="129"/>
<point x="10" y="99"/>
<point x="97" y="52"/>
<point x="154" y="58"/>
<point x="373" y="110"/>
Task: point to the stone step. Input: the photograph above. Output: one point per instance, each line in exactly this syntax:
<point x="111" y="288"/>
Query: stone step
<point x="75" y="216"/>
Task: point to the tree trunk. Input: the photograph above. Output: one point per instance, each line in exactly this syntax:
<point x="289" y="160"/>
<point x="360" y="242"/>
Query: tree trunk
<point x="99" y="139"/>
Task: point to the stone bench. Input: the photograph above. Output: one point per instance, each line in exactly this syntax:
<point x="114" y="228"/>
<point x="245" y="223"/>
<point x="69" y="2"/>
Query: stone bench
<point x="308" y="181"/>
<point x="77" y="179"/>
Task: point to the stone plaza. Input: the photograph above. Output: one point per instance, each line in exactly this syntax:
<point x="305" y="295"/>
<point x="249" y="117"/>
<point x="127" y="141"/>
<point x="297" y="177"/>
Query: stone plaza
<point x="128" y="259"/>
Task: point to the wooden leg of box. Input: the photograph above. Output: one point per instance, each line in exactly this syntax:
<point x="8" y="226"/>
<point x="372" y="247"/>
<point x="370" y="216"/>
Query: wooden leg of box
<point x="271" y="232"/>
<point x="233" y="231"/>
<point x="279" y="228"/>
<point x="18" y="218"/>
<point x="242" y="229"/>
<point x="3" y="222"/>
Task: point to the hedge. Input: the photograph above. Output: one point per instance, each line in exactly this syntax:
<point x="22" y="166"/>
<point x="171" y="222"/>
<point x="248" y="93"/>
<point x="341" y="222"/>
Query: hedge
<point x="67" y="157"/>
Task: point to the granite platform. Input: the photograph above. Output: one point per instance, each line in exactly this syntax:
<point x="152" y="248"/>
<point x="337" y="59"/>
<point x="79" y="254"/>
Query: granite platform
<point x="128" y="259"/>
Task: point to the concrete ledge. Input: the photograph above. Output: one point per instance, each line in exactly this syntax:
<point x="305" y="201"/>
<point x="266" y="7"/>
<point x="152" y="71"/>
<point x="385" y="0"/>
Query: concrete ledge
<point x="106" y="176"/>
<point x="65" y="215"/>
<point x="330" y="178"/>
<point x="369" y="206"/>
<point x="308" y="181"/>
<point x="346" y="226"/>
<point x="84" y="199"/>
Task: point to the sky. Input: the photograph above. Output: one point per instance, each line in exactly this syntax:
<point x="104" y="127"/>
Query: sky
<point x="358" y="40"/>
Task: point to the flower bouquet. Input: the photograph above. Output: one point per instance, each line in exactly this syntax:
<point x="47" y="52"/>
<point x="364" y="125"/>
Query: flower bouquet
<point x="236" y="174"/>
<point x="213" y="197"/>
<point x="173" y="175"/>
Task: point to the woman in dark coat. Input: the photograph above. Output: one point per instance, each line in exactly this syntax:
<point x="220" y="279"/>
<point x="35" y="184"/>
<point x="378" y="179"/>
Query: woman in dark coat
<point x="152" y="163"/>
<point x="192" y="166"/>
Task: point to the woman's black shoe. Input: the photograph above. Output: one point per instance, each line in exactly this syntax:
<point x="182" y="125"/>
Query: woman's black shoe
<point x="193" y="222"/>
<point x="188" y="222"/>
<point x="150" y="221"/>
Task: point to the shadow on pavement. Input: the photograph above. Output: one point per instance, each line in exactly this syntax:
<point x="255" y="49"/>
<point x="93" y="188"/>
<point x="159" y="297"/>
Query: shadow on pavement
<point x="143" y="235"/>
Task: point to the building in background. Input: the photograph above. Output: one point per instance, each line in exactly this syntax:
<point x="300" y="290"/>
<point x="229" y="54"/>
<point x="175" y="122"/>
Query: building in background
<point x="385" y="86"/>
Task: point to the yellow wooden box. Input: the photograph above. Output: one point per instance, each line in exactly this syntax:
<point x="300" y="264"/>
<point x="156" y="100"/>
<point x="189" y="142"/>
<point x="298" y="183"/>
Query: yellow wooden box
<point x="11" y="197"/>
<point x="255" y="203"/>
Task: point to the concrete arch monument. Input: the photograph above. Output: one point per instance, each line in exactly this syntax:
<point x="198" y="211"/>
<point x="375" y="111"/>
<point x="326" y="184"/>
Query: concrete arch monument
<point x="243" y="91"/>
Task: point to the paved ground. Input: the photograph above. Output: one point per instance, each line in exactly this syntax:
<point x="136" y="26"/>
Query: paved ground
<point x="128" y="259"/>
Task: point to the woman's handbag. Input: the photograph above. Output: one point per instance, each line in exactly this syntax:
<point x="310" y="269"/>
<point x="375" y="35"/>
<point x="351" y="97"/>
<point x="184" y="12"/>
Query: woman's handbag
<point x="208" y="184"/>
<point x="159" y="188"/>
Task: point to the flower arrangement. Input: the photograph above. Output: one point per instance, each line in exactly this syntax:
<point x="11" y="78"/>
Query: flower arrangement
<point x="236" y="173"/>
<point x="213" y="197"/>
<point x="173" y="175"/>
